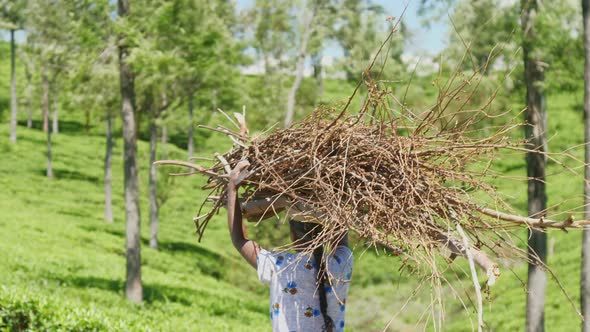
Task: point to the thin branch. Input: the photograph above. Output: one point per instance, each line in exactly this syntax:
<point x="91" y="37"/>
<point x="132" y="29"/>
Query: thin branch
<point x="473" y="277"/>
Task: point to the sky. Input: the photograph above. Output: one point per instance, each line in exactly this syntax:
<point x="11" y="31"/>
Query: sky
<point x="424" y="40"/>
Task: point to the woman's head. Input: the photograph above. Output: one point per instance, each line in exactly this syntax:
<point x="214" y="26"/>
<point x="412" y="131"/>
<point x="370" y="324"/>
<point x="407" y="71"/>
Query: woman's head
<point x="303" y="233"/>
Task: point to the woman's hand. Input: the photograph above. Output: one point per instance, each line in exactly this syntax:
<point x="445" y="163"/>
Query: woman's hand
<point x="239" y="173"/>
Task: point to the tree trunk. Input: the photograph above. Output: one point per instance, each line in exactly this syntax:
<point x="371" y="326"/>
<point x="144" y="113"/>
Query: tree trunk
<point x="191" y="143"/>
<point x="108" y="161"/>
<point x="49" y="156"/>
<point x="307" y="30"/>
<point x="45" y="103"/>
<point x="318" y="73"/>
<point x="55" y="108"/>
<point x="164" y="142"/>
<point x="13" y="101"/>
<point x="138" y="114"/>
<point x="153" y="197"/>
<point x="87" y="124"/>
<point x="29" y="92"/>
<point x="536" y="119"/>
<point x="585" y="284"/>
<point x="45" y="110"/>
<point x="133" y="286"/>
<point x="267" y="66"/>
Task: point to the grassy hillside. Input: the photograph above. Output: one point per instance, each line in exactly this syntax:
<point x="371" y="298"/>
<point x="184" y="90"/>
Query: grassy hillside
<point x="63" y="267"/>
<point x="56" y="249"/>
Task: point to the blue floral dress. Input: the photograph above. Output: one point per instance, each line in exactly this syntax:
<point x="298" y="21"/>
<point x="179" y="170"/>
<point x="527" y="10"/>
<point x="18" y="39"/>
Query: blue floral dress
<point x="294" y="297"/>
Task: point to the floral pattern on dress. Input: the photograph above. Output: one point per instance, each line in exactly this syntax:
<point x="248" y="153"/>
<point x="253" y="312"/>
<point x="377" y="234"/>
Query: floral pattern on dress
<point x="291" y="288"/>
<point x="311" y="312"/>
<point x="294" y="296"/>
<point x="310" y="265"/>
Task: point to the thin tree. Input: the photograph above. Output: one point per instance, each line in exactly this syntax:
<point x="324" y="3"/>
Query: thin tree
<point x="154" y="220"/>
<point x="54" y="97"/>
<point x="133" y="286"/>
<point x="272" y="28"/>
<point x="11" y="18"/>
<point x="318" y="73"/>
<point x="308" y="28"/>
<point x="59" y="65"/>
<point x="13" y="101"/>
<point x="536" y="123"/>
<point x="28" y="62"/>
<point x="155" y="109"/>
<point x="191" y="126"/>
<point x="108" y="173"/>
<point x="45" y="102"/>
<point x="585" y="271"/>
<point x="164" y="141"/>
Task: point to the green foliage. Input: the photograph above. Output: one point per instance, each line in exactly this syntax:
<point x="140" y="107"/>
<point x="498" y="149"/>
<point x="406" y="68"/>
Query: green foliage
<point x="5" y="84"/>
<point x="484" y="33"/>
<point x="488" y="33"/>
<point x="360" y="34"/>
<point x="12" y="14"/>
<point x="27" y="312"/>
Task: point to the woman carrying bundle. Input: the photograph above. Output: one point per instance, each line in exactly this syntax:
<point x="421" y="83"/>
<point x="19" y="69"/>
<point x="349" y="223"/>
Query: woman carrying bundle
<point x="307" y="292"/>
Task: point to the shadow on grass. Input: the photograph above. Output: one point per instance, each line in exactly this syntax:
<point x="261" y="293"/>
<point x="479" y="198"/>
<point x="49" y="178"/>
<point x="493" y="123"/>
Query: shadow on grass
<point x="66" y="127"/>
<point x="168" y="246"/>
<point x="208" y="262"/>
<point x="76" y="213"/>
<point x="66" y="174"/>
<point x="152" y="293"/>
<point x="174" y="246"/>
<point x="513" y="167"/>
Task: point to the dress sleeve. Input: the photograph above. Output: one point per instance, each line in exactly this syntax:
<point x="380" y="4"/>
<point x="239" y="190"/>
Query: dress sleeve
<point x="266" y="265"/>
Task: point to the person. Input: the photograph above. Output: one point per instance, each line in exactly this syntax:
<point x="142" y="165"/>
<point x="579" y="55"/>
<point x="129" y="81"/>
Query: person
<point x="308" y="292"/>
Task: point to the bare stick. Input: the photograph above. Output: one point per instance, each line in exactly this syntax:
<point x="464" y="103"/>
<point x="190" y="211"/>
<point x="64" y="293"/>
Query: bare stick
<point x="241" y="118"/>
<point x="228" y="117"/>
<point x="224" y="162"/>
<point x="196" y="167"/>
<point x="478" y="256"/>
<point x="221" y="130"/>
<point x="534" y="222"/>
<point x="473" y="277"/>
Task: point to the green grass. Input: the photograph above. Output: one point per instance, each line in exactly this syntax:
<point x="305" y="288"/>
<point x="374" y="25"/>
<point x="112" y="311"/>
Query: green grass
<point x="56" y="248"/>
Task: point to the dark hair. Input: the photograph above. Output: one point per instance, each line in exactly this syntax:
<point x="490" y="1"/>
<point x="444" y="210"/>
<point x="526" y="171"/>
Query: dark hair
<point x="307" y="232"/>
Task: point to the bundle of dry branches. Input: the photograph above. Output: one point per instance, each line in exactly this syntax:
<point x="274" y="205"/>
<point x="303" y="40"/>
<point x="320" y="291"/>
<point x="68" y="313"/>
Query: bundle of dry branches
<point x="415" y="183"/>
<point x="401" y="181"/>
